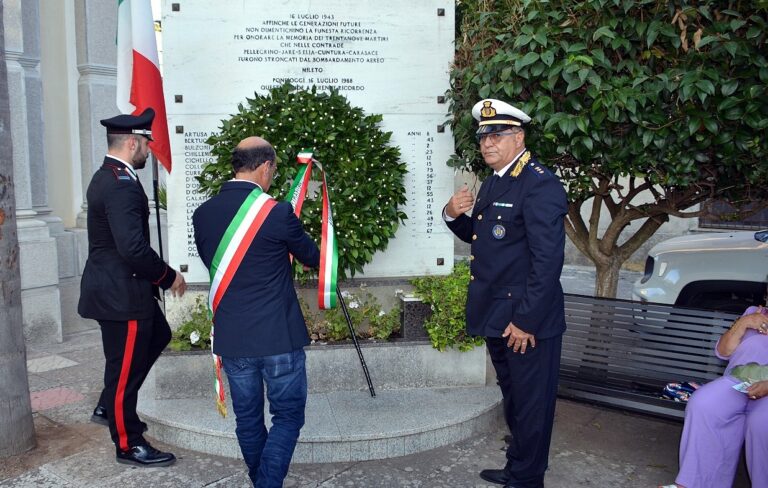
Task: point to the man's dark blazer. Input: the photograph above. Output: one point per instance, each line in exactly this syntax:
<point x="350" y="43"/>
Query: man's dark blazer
<point x="259" y="315"/>
<point x="518" y="238"/>
<point x="122" y="272"/>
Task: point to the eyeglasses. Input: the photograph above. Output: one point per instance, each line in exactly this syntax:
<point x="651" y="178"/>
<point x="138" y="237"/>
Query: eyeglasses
<point x="493" y="137"/>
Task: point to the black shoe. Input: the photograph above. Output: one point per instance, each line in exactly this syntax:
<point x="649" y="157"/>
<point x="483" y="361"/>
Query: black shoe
<point x="100" y="417"/>
<point x="498" y="476"/>
<point x="145" y="456"/>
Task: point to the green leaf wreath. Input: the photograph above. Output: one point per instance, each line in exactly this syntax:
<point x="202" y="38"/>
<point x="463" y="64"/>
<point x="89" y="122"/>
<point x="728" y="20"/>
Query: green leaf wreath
<point x="365" y="174"/>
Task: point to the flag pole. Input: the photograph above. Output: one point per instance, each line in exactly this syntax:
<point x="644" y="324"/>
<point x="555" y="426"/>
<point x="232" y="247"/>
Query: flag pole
<point x="155" y="191"/>
<point x="354" y="340"/>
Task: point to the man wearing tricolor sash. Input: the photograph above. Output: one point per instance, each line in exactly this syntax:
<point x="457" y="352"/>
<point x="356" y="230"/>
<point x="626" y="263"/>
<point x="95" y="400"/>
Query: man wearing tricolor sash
<point x="246" y="238"/>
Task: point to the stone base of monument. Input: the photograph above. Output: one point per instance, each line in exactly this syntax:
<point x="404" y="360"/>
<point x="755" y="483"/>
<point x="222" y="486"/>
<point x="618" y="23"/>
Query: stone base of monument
<point x="424" y="399"/>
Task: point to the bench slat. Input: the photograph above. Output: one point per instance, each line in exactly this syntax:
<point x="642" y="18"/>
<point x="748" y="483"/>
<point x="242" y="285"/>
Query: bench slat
<point x="621" y="353"/>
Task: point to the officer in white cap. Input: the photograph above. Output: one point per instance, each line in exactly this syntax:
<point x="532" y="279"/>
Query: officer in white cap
<point x="515" y="300"/>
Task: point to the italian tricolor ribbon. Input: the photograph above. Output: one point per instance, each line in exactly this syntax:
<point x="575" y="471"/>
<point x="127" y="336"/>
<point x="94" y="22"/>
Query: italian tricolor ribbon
<point x="229" y="254"/>
<point x="329" y="253"/>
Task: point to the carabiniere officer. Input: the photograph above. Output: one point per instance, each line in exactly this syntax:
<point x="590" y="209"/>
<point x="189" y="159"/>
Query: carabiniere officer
<point x="514" y="299"/>
<point x="120" y="286"/>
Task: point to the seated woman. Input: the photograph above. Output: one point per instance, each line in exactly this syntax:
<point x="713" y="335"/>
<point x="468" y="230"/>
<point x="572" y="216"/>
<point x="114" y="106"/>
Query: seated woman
<point x="720" y="419"/>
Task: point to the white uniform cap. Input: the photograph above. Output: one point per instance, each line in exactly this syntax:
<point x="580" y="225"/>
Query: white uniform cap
<point x="495" y="115"/>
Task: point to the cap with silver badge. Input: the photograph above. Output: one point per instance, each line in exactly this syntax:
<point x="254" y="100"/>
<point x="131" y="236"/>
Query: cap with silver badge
<point x="131" y="124"/>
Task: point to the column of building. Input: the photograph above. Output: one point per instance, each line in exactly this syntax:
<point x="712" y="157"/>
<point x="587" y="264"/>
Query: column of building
<point x="79" y="83"/>
<point x="38" y="251"/>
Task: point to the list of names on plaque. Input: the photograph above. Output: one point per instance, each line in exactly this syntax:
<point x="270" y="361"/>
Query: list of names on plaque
<point x="196" y="154"/>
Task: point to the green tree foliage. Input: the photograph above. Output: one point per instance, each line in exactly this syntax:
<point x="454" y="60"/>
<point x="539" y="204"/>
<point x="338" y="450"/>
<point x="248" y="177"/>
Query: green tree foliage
<point x="365" y="174"/>
<point x="644" y="108"/>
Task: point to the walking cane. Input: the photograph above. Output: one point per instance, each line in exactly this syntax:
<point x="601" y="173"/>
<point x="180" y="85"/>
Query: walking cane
<point x="157" y="216"/>
<point x="354" y="340"/>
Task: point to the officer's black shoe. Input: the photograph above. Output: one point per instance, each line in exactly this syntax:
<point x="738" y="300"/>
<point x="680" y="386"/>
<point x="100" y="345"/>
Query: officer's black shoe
<point x="100" y="417"/>
<point x="498" y="476"/>
<point x="145" y="456"/>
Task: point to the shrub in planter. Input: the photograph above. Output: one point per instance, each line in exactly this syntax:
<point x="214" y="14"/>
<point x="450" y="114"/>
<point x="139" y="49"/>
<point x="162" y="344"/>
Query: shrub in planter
<point x="195" y="332"/>
<point x="368" y="318"/>
<point x="448" y="297"/>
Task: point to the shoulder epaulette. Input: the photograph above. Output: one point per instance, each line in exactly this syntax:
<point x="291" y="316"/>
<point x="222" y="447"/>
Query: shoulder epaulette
<point x="120" y="174"/>
<point x="518" y="168"/>
<point x="537" y="169"/>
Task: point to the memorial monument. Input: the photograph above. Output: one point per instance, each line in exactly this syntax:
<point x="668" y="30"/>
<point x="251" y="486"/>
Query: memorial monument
<point x="391" y="59"/>
<point x="382" y="59"/>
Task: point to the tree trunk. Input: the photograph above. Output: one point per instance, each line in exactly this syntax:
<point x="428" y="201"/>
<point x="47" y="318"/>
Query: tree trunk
<point x="607" y="278"/>
<point x="17" y="432"/>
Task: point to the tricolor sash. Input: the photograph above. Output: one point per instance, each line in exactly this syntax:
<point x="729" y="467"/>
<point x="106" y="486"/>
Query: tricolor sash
<point x="329" y="253"/>
<point x="229" y="254"/>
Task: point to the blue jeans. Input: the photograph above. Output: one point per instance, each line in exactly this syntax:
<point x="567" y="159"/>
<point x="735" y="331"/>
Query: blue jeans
<point x="268" y="454"/>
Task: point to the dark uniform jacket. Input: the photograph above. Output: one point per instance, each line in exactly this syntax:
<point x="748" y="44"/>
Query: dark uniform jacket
<point x="122" y="273"/>
<point x="259" y="315"/>
<point x="518" y="238"/>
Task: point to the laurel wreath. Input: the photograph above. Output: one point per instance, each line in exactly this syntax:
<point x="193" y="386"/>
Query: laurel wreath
<point x="364" y="171"/>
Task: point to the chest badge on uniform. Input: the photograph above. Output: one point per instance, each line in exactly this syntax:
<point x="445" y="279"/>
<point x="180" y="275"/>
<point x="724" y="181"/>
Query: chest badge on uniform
<point x="499" y="231"/>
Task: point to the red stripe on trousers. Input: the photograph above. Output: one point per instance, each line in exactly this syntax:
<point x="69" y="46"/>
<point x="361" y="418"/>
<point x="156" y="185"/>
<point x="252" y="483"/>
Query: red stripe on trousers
<point x="130" y="342"/>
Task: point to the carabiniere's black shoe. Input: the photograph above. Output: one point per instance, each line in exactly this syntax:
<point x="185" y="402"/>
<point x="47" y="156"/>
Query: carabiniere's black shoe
<point x="100" y="417"/>
<point x="498" y="476"/>
<point x="145" y="456"/>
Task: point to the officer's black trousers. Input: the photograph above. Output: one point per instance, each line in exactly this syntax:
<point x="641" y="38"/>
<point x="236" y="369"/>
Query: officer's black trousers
<point x="130" y="349"/>
<point x="528" y="384"/>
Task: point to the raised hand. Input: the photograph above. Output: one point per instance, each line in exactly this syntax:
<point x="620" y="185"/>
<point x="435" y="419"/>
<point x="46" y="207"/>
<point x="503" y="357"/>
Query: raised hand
<point x="462" y="201"/>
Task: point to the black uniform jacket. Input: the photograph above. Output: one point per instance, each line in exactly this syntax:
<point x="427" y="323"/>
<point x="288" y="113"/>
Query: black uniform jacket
<point x="518" y="238"/>
<point x="259" y="315"/>
<point x="122" y="273"/>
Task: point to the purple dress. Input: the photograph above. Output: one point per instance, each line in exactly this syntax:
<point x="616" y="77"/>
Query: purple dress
<point x="720" y="419"/>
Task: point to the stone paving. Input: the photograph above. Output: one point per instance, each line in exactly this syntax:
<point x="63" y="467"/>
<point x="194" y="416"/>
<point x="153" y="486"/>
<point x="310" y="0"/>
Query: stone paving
<point x="592" y="446"/>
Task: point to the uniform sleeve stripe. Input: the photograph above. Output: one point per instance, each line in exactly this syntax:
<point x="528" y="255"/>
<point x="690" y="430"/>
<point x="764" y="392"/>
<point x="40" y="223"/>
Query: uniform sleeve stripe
<point x="165" y="272"/>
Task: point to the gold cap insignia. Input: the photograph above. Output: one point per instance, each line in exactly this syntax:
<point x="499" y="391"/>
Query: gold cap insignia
<point x="487" y="110"/>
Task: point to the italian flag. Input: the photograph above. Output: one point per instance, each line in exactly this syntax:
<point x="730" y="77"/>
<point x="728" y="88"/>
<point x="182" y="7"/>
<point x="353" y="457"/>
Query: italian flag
<point x="139" y="84"/>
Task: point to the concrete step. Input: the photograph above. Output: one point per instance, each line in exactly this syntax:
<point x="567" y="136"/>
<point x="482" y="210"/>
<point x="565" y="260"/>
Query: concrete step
<point x="340" y="425"/>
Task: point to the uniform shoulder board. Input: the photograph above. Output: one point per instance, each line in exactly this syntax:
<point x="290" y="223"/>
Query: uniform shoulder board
<point x="537" y="169"/>
<point x="120" y="174"/>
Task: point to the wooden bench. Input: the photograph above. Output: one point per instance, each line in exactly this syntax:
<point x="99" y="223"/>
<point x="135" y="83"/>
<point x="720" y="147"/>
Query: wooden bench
<point x="621" y="353"/>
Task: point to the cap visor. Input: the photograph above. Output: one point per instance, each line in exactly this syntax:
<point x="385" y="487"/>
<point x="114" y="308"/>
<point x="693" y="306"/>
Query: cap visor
<point x="491" y="128"/>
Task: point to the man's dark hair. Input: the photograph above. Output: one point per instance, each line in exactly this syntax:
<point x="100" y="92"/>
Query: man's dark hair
<point x="248" y="159"/>
<point x="116" y="141"/>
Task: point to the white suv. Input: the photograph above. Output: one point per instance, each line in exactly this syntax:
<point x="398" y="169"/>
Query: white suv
<point x="718" y="271"/>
